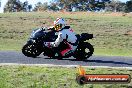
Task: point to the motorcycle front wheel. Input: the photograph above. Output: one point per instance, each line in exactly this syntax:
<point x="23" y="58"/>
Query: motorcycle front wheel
<point x="30" y="50"/>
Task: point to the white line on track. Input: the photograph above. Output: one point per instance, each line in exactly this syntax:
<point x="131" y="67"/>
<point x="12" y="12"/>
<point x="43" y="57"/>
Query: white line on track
<point x="67" y="66"/>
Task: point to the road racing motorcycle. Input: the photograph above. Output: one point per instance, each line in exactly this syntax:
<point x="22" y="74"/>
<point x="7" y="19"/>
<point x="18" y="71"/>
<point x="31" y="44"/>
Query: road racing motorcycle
<point x="35" y="45"/>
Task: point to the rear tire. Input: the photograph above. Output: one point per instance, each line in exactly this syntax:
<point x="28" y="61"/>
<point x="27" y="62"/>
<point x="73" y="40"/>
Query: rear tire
<point x="30" y="50"/>
<point x="81" y="53"/>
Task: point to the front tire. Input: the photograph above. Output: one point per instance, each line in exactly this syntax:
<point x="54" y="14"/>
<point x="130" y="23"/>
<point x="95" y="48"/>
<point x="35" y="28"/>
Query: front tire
<point x="30" y="50"/>
<point x="84" y="51"/>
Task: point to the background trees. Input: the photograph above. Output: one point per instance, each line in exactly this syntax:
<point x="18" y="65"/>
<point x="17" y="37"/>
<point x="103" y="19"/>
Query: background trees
<point x="40" y="7"/>
<point x="129" y="6"/>
<point x="0" y="3"/>
<point x="70" y="5"/>
<point x="17" y="6"/>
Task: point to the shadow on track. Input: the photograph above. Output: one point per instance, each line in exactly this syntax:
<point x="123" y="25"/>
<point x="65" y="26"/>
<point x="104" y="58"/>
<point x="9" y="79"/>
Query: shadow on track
<point x="112" y="62"/>
<point x="96" y="61"/>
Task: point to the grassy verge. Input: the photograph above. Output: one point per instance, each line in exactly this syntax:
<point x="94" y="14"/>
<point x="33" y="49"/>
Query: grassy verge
<point x="113" y="52"/>
<point x="52" y="77"/>
<point x="110" y="29"/>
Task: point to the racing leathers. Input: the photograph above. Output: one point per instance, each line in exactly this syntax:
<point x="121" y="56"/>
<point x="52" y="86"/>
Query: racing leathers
<point x="68" y="36"/>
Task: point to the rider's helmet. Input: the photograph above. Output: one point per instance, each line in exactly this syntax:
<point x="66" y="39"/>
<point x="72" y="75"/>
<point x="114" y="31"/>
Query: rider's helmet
<point x="59" y="24"/>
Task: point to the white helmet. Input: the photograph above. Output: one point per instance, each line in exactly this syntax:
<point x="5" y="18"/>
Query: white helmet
<point x="59" y="24"/>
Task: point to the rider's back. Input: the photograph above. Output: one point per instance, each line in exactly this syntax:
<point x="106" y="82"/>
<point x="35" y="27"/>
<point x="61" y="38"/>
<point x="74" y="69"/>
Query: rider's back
<point x="69" y="35"/>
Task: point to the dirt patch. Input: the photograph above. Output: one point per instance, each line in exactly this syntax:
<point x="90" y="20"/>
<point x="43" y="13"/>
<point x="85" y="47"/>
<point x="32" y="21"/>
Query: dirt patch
<point x="128" y="33"/>
<point x="117" y="14"/>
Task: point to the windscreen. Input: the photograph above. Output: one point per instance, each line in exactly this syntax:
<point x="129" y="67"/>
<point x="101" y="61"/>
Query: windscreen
<point x="37" y="33"/>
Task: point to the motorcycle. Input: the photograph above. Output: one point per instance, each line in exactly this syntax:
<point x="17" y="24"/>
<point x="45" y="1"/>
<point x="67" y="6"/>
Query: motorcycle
<point x="35" y="45"/>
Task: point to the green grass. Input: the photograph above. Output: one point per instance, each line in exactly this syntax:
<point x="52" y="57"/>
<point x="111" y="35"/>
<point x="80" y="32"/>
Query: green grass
<point x="113" y="52"/>
<point x="52" y="77"/>
<point x="15" y="28"/>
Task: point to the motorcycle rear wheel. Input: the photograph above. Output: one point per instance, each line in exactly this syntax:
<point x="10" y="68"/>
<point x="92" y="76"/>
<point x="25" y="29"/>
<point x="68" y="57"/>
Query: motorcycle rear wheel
<point x="84" y="51"/>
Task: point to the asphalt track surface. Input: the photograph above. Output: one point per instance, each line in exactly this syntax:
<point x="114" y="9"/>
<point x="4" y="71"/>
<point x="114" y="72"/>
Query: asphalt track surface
<point x="18" y="58"/>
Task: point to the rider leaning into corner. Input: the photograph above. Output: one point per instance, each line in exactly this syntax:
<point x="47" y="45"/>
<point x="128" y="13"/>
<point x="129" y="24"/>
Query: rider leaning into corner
<point x="66" y="34"/>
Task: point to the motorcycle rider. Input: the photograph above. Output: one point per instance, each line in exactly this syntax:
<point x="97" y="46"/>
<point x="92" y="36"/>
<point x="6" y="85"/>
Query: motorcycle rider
<point x="65" y="34"/>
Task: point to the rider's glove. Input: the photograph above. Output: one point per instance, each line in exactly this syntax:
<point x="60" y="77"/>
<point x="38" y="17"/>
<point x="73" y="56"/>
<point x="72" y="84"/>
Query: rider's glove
<point x="53" y="44"/>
